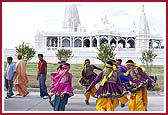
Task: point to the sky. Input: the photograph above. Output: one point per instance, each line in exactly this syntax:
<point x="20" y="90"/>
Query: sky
<point x="22" y="20"/>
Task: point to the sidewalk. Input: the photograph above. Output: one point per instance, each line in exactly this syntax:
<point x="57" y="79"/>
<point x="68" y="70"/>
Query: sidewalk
<point x="76" y="91"/>
<point x="33" y="102"/>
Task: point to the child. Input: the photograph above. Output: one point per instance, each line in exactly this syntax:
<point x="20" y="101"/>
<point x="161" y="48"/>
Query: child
<point x="54" y="78"/>
<point x="61" y="87"/>
<point x="88" y="75"/>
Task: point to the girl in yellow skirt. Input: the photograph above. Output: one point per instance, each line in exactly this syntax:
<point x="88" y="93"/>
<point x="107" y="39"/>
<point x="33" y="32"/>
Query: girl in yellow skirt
<point x="138" y="87"/>
<point x="88" y="75"/>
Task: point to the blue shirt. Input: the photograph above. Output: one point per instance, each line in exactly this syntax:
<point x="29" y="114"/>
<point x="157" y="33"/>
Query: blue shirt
<point x="11" y="69"/>
<point x="120" y="71"/>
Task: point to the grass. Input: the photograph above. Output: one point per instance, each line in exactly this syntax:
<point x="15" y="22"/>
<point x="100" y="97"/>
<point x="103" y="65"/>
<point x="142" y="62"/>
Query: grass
<point x="31" y="67"/>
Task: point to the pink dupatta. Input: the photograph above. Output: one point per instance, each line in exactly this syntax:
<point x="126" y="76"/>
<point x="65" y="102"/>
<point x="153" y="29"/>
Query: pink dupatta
<point x="57" y="76"/>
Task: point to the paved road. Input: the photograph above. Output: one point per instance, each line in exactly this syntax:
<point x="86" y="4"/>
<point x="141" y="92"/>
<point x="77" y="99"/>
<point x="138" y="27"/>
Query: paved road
<point x="33" y="102"/>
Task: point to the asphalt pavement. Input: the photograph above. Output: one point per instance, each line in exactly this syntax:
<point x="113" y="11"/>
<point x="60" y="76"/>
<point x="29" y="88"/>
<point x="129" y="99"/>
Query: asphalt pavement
<point x="34" y="103"/>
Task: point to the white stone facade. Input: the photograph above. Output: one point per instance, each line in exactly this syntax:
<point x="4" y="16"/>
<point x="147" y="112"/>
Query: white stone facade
<point x="84" y="44"/>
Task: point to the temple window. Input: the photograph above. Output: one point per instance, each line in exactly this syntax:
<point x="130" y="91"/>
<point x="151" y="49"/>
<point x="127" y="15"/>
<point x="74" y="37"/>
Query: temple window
<point x="65" y="43"/>
<point x="86" y="43"/>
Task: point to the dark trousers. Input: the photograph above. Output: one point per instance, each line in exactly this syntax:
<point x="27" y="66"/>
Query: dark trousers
<point x="43" y="88"/>
<point x="9" y="87"/>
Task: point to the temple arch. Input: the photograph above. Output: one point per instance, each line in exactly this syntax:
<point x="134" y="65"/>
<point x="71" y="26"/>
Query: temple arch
<point x="49" y="43"/>
<point x="121" y="43"/>
<point x="131" y="43"/>
<point x="156" y="44"/>
<point x="113" y="42"/>
<point x="103" y="39"/>
<point x="65" y="42"/>
<point x="150" y="43"/>
<point x="52" y="41"/>
<point x="86" y="43"/>
<point x="77" y="43"/>
<point x="94" y="42"/>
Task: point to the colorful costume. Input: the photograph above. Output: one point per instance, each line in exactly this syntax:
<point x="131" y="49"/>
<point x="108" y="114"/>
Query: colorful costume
<point x="109" y="91"/>
<point x="138" y="88"/>
<point x="62" y="87"/>
<point x="120" y="71"/>
<point x="87" y="77"/>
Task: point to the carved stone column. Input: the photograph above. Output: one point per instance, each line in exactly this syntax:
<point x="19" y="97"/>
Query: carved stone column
<point x="70" y="41"/>
<point x="98" y="41"/>
<point x="91" y="44"/>
<point x="82" y="41"/>
<point x="61" y="41"/>
<point x="58" y="43"/>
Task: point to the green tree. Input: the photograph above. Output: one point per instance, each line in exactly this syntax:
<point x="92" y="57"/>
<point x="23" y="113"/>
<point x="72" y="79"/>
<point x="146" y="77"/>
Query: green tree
<point x="105" y="53"/>
<point x="63" y="54"/>
<point x="27" y="52"/>
<point x="147" y="58"/>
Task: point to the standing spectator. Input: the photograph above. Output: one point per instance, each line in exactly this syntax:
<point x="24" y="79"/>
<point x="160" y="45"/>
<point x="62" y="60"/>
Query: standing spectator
<point x="9" y="76"/>
<point x="42" y="73"/>
<point x="21" y="79"/>
<point x="88" y="75"/>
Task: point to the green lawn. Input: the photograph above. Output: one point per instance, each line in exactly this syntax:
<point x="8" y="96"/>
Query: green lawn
<point x="76" y="72"/>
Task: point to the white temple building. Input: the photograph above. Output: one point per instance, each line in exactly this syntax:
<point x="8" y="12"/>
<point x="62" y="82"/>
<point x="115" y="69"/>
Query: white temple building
<point x="83" y="43"/>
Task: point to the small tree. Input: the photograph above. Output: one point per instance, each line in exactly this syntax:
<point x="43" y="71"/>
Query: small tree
<point x="105" y="53"/>
<point x="64" y="54"/>
<point x="148" y="57"/>
<point x="27" y="52"/>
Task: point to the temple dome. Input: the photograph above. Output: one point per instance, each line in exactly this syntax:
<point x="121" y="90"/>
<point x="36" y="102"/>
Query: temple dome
<point x="104" y="25"/>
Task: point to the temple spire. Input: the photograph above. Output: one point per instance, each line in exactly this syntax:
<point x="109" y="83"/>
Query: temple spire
<point x="71" y="18"/>
<point x="142" y="8"/>
<point x="143" y="33"/>
<point x="143" y="23"/>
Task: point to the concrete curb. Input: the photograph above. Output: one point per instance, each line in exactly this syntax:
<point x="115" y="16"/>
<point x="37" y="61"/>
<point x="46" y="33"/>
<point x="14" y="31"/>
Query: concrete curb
<point x="77" y="91"/>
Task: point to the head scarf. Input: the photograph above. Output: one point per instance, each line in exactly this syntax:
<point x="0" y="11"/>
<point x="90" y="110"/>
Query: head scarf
<point x="110" y="66"/>
<point x="130" y="62"/>
<point x="84" y="65"/>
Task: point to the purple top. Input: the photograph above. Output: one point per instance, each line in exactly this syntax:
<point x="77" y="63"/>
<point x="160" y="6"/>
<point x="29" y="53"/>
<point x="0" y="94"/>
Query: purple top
<point x="145" y="76"/>
<point x="111" y="89"/>
<point x="139" y="82"/>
